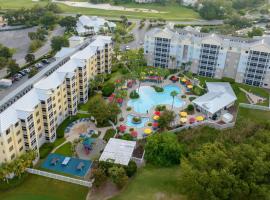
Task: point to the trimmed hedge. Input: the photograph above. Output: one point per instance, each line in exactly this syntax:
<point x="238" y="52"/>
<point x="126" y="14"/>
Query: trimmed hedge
<point x="108" y="89"/>
<point x="134" y="95"/>
<point x="109" y="134"/>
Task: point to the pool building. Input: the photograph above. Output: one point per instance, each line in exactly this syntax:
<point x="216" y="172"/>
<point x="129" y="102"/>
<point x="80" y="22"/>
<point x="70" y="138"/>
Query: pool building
<point x="217" y="100"/>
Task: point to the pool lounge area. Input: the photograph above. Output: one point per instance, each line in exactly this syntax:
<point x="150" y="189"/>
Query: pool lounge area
<point x="67" y="165"/>
<point x="141" y="124"/>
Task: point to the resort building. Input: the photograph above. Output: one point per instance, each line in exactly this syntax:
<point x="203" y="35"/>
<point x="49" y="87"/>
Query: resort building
<point x="32" y="120"/>
<point x="217" y="100"/>
<point x="118" y="151"/>
<point x="244" y="60"/>
<point x="93" y="25"/>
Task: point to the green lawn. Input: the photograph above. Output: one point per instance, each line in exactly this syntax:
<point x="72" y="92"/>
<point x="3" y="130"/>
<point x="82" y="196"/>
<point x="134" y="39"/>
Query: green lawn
<point x="40" y="188"/>
<point x="171" y="12"/>
<point x="254" y="115"/>
<point x="153" y="183"/>
<point x="65" y="149"/>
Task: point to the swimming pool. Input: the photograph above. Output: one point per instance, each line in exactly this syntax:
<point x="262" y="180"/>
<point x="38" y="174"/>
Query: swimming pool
<point x="139" y="125"/>
<point x="150" y="98"/>
<point x="70" y="168"/>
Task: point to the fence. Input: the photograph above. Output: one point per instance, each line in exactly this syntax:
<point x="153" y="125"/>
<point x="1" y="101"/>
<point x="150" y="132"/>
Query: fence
<point x="255" y="107"/>
<point x="204" y="123"/>
<point x="59" y="177"/>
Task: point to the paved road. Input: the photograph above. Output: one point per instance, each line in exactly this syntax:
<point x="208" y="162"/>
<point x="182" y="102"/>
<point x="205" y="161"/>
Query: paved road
<point x="138" y="36"/>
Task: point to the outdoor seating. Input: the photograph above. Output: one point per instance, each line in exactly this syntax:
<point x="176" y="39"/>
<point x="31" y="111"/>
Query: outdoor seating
<point x="80" y="166"/>
<point x="54" y="161"/>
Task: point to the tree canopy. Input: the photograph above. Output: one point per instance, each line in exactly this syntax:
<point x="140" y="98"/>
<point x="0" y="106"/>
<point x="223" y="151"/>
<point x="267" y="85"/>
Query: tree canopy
<point x="163" y="149"/>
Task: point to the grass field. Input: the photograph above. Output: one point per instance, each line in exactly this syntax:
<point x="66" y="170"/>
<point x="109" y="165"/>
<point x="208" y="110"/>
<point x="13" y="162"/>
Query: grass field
<point x="171" y="12"/>
<point x="153" y="183"/>
<point x="41" y="188"/>
<point x="65" y="150"/>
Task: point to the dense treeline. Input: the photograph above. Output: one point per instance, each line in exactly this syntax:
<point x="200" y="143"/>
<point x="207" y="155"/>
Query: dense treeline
<point x="33" y="16"/>
<point x="228" y="164"/>
<point x="221" y="9"/>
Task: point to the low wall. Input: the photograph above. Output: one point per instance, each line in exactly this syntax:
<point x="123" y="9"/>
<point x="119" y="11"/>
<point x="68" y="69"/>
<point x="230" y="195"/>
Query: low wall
<point x="204" y="123"/>
<point x="59" y="177"/>
<point x="255" y="107"/>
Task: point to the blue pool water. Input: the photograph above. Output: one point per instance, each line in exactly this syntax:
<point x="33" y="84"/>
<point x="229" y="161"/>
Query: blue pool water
<point x="140" y="125"/>
<point x="150" y="98"/>
<point x="71" y="168"/>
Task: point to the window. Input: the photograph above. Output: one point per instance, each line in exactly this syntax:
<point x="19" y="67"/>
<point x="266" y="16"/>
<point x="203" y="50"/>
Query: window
<point x="12" y="156"/>
<point x="37" y="113"/>
<point x="20" y="140"/>
<point x="11" y="148"/>
<point x="21" y="148"/>
<point x="17" y="124"/>
<point x="9" y="140"/>
<point x="7" y="131"/>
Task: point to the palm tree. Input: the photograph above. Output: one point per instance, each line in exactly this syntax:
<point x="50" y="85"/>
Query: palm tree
<point x="173" y="95"/>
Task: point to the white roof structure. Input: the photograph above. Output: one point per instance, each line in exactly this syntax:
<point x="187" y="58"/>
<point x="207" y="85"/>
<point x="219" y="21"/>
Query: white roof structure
<point x="64" y="52"/>
<point x="118" y="151"/>
<point x="96" y="23"/>
<point x="219" y="95"/>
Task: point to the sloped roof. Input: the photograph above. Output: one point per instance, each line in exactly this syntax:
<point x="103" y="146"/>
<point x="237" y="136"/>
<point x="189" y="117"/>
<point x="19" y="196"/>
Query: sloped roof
<point x="118" y="151"/>
<point x="219" y="95"/>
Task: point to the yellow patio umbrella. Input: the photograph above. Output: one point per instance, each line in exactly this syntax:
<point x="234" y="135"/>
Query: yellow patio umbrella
<point x="147" y="131"/>
<point x="199" y="118"/>
<point x="156" y="117"/>
<point x="190" y="86"/>
<point x="184" y="80"/>
<point x="183" y="119"/>
<point x="183" y="114"/>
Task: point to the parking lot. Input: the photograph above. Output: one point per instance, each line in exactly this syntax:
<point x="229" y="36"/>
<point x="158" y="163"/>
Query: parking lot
<point x="22" y="76"/>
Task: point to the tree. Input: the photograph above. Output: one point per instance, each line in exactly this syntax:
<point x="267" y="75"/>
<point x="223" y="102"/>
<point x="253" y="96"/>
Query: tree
<point x="216" y="172"/>
<point x="163" y="150"/>
<point x="131" y="169"/>
<point x="99" y="176"/>
<point x="118" y="176"/>
<point x="255" y="32"/>
<point x="58" y="42"/>
<point x="211" y="10"/>
<point x="12" y="67"/>
<point x="108" y="89"/>
<point x="238" y="22"/>
<point x="29" y="57"/>
<point x="68" y="22"/>
<point x="98" y="106"/>
<point x="48" y="20"/>
<point x="166" y="118"/>
<point x="173" y="95"/>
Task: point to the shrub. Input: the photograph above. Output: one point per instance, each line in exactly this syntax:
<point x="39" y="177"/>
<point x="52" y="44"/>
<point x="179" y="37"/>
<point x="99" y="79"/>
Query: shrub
<point x="108" y="89"/>
<point x="129" y="108"/>
<point x="118" y="176"/>
<point x="149" y="124"/>
<point x="127" y="136"/>
<point x="192" y="98"/>
<point x="157" y="89"/>
<point x="99" y="176"/>
<point x="183" y="96"/>
<point x="109" y="134"/>
<point x="134" y="95"/>
<point x="190" y="108"/>
<point x="35" y="45"/>
<point x="45" y="150"/>
<point x="121" y="119"/>
<point x="131" y="169"/>
<point x="131" y="129"/>
<point x="160" y="108"/>
<point x="136" y="119"/>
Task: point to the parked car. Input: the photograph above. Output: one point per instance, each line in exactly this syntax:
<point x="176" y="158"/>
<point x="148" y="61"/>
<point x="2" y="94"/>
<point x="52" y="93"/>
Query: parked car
<point x="45" y="61"/>
<point x="22" y="73"/>
<point x="17" y="77"/>
<point x="38" y="65"/>
<point x="127" y="48"/>
<point x="27" y="70"/>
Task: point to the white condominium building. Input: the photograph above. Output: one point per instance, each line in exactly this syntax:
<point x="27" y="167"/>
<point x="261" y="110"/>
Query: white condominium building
<point x="93" y="25"/>
<point x="32" y="120"/>
<point x="244" y="60"/>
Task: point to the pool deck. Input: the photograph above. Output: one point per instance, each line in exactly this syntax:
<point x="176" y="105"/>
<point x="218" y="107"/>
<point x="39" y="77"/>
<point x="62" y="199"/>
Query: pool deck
<point x="150" y="113"/>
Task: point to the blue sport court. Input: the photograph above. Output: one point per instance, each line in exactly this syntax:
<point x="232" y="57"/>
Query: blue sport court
<point x="67" y="165"/>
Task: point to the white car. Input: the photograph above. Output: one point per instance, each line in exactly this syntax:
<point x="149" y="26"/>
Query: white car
<point x="127" y="48"/>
